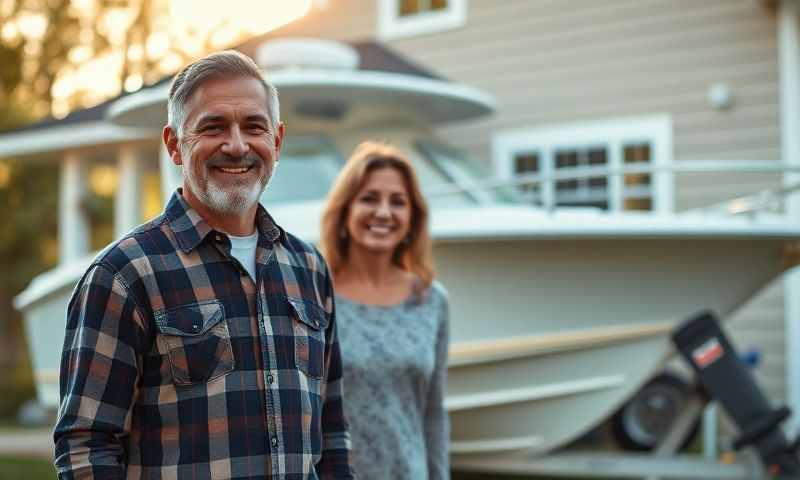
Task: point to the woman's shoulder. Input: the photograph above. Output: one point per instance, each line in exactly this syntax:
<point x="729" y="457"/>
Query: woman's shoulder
<point x="439" y="289"/>
<point x="436" y="294"/>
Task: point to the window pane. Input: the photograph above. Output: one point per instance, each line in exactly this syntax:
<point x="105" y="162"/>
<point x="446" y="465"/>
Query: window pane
<point x="566" y="159"/>
<point x="638" y="204"/>
<point x="528" y="162"/>
<point x="597" y="157"/>
<point x="408" y="7"/>
<point x="636" y="154"/>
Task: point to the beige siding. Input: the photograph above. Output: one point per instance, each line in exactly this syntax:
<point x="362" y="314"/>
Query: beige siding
<point x="549" y="62"/>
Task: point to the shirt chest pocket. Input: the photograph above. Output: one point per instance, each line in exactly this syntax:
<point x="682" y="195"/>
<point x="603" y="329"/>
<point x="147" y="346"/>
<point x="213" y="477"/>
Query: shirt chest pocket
<point x="196" y="339"/>
<point x="309" y="322"/>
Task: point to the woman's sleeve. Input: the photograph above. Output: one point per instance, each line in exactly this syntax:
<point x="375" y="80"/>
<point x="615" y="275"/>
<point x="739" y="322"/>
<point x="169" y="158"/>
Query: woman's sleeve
<point x="437" y="425"/>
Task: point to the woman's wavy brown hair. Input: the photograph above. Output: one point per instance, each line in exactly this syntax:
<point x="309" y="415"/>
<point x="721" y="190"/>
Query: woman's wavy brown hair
<point x="416" y="254"/>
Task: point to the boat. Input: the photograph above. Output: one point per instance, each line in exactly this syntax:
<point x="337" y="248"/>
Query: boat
<point x="558" y="316"/>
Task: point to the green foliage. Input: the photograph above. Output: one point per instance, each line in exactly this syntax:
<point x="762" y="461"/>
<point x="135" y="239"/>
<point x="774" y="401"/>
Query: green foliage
<point x="28" y="246"/>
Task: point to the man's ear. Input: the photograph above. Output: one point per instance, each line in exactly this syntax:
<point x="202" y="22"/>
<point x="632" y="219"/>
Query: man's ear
<point x="279" y="140"/>
<point x="170" y="137"/>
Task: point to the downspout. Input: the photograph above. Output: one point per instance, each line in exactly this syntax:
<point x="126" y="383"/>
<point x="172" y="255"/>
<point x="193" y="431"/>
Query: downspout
<point x="789" y="66"/>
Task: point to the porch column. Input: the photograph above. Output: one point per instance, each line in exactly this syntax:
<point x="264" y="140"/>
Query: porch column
<point x="73" y="224"/>
<point x="171" y="174"/>
<point x="128" y="201"/>
<point x="789" y="64"/>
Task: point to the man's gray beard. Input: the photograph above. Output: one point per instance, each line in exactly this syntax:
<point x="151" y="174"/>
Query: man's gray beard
<point x="232" y="200"/>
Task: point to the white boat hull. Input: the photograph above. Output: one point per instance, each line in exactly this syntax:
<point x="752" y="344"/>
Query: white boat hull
<point x="550" y="337"/>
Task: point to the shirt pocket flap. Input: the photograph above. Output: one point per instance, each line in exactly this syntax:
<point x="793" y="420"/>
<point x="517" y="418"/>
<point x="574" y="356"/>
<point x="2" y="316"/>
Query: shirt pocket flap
<point x="190" y="320"/>
<point x="311" y="314"/>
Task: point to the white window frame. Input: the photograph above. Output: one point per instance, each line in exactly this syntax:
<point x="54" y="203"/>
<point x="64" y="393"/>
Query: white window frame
<point x="391" y="25"/>
<point x="614" y="133"/>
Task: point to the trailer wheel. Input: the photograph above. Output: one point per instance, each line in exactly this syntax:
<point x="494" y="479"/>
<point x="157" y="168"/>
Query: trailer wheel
<point x="642" y="422"/>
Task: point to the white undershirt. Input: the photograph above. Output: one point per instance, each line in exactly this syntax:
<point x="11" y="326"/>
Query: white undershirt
<point x="244" y="250"/>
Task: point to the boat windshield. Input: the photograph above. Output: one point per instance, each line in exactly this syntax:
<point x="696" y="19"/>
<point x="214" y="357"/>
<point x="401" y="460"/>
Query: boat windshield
<point x="457" y="170"/>
<point x="306" y="171"/>
<point x="309" y="166"/>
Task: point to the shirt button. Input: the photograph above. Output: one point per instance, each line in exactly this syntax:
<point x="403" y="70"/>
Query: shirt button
<point x="270" y="379"/>
<point x="274" y="441"/>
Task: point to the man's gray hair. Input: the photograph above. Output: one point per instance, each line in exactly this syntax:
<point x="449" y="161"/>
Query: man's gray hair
<point x="227" y="63"/>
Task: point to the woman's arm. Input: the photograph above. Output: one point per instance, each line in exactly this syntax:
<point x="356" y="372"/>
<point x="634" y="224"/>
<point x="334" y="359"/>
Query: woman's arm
<point x="437" y="425"/>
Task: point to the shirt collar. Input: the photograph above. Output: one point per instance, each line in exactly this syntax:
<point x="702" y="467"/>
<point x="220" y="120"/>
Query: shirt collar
<point x="191" y="229"/>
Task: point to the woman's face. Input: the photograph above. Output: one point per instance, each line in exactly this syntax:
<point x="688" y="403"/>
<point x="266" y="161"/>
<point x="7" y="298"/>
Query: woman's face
<point x="379" y="216"/>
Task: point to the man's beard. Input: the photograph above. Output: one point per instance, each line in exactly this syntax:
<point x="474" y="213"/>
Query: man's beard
<point x="235" y="198"/>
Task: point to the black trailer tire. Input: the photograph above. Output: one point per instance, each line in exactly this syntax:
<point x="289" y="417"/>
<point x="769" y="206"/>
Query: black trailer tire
<point x="642" y="422"/>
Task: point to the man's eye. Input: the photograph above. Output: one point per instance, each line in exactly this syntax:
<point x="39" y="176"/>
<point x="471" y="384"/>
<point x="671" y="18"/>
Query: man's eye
<point x="210" y="128"/>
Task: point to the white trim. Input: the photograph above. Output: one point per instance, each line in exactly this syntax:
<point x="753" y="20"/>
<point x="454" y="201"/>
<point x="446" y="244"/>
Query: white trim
<point x="496" y="445"/>
<point x="65" y="136"/>
<point x="73" y="223"/>
<point x="550" y="391"/>
<point x="127" y="201"/>
<point x="391" y="25"/>
<point x="656" y="129"/>
<point x="789" y="66"/>
<point x="463" y="354"/>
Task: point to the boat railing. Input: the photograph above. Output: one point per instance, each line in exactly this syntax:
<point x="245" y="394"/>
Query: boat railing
<point x="770" y="200"/>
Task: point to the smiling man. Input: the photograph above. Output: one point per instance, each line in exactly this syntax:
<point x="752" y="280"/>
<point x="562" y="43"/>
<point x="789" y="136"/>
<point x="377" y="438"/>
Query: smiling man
<point x="203" y="344"/>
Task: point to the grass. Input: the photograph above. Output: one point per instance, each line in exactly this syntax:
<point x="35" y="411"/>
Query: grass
<point x="27" y="468"/>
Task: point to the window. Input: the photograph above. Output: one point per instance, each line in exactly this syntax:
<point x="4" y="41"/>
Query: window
<point x="405" y="18"/>
<point x="584" y="153"/>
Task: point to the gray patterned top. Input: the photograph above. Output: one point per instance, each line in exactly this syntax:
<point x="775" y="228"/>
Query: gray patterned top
<point x="395" y="371"/>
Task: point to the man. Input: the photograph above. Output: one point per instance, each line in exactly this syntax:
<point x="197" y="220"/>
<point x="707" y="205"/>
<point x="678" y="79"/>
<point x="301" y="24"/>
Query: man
<point x="203" y="343"/>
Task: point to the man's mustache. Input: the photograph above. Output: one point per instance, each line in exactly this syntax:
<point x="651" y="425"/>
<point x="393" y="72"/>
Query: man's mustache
<point x="223" y="160"/>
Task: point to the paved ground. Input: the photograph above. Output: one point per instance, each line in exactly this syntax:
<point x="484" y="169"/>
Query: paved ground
<point x="38" y="443"/>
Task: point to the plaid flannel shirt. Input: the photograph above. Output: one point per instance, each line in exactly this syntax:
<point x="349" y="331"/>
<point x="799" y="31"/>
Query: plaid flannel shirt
<point x="177" y="365"/>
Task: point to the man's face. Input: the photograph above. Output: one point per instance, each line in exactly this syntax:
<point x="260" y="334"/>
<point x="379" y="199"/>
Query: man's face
<point x="229" y="146"/>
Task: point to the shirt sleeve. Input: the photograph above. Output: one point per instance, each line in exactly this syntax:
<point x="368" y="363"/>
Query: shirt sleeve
<point x="100" y="370"/>
<point x="336" y="459"/>
<point x="437" y="424"/>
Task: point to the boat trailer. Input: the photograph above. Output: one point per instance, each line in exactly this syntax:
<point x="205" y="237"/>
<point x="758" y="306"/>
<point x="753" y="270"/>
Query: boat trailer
<point x="721" y="376"/>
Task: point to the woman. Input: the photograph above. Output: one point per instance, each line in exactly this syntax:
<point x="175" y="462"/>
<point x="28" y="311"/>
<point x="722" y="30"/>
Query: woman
<point x="392" y="317"/>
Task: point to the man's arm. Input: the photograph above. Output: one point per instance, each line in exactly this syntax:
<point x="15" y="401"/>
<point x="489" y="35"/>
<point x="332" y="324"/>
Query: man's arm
<point x="335" y="461"/>
<point x="100" y="368"/>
